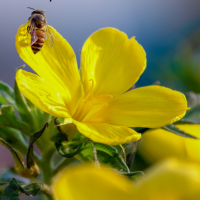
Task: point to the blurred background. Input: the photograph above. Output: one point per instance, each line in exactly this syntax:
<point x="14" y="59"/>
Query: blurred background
<point x="169" y="31"/>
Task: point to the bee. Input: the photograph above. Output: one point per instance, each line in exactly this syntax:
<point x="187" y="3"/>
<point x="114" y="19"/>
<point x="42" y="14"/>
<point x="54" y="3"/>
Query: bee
<point x="39" y="31"/>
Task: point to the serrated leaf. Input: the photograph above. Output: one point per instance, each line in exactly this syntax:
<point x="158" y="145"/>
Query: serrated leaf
<point x="31" y="189"/>
<point x="16" y="155"/>
<point x="2" y="187"/>
<point x="13" y="189"/>
<point x="177" y="131"/>
<point x="9" y="119"/>
<point x="105" y="153"/>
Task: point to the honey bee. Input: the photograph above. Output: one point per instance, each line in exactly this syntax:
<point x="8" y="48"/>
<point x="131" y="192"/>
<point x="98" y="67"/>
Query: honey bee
<point x="39" y="31"/>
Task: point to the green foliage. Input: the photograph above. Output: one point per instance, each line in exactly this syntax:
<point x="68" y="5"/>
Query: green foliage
<point x="14" y="138"/>
<point x="7" y="95"/>
<point x="69" y="149"/>
<point x="84" y="151"/>
<point x="177" y="131"/>
<point x="16" y="155"/>
<point x="133" y="174"/>
<point x="109" y="155"/>
<point x="20" y="130"/>
<point x="34" y="136"/>
<point x="13" y="189"/>
<point x="9" y="119"/>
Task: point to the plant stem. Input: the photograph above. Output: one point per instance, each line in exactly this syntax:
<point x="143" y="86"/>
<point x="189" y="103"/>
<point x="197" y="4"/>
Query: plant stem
<point x="46" y="168"/>
<point x="123" y="153"/>
<point x="131" y="156"/>
<point x="46" y="196"/>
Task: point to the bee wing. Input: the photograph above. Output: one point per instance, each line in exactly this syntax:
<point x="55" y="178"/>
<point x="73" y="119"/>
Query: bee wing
<point x="50" y="37"/>
<point x="33" y="32"/>
<point x="33" y="36"/>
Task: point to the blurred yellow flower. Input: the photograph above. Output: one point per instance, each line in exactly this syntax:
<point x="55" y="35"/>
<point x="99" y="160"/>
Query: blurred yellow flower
<point x="94" y="101"/>
<point x="86" y="182"/>
<point x="170" y="180"/>
<point x="159" y="144"/>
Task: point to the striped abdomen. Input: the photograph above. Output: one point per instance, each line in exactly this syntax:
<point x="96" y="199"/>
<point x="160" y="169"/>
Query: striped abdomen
<point x="37" y="46"/>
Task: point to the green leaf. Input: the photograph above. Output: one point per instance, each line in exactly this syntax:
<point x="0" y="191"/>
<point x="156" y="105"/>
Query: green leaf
<point x="14" y="189"/>
<point x="106" y="154"/>
<point x="84" y="151"/>
<point x="16" y="155"/>
<point x="11" y="191"/>
<point x="69" y="149"/>
<point x="2" y="187"/>
<point x="7" y="94"/>
<point x="14" y="138"/>
<point x="2" y="100"/>
<point x="176" y="130"/>
<point x="133" y="174"/>
<point x="23" y="108"/>
<point x="31" y="189"/>
<point x="9" y="119"/>
<point x="30" y="162"/>
<point x="187" y="121"/>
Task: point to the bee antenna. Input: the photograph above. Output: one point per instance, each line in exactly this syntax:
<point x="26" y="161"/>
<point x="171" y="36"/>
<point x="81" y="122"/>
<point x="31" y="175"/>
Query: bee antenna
<point x="31" y="8"/>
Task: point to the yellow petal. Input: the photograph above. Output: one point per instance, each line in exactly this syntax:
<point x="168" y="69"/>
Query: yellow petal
<point x="159" y="144"/>
<point x="152" y="106"/>
<point x="170" y="180"/>
<point x="85" y="182"/>
<point x="107" y="133"/>
<point x="40" y="93"/>
<point x="110" y="62"/>
<point x="56" y="65"/>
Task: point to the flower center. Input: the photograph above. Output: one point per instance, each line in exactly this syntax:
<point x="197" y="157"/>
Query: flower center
<point x="91" y="102"/>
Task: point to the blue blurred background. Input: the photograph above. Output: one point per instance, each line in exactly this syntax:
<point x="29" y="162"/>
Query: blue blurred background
<point x="166" y="29"/>
<point x="158" y="25"/>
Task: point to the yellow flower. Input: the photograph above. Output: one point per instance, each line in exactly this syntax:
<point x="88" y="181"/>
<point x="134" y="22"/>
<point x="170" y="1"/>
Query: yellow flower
<point x="86" y="182"/>
<point x="95" y="101"/>
<point x="159" y="144"/>
<point x="170" y="180"/>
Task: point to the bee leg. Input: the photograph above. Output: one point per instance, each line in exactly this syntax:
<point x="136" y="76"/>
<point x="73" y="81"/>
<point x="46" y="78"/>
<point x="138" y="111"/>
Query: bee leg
<point x="28" y="29"/>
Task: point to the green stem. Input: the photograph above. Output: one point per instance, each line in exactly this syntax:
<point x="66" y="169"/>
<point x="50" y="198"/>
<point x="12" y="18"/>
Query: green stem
<point x="131" y="156"/>
<point x="62" y="163"/>
<point x="123" y="153"/>
<point x="46" y="167"/>
<point x="46" y="196"/>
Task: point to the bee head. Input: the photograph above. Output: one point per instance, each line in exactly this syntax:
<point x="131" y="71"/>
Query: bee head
<point x="37" y="11"/>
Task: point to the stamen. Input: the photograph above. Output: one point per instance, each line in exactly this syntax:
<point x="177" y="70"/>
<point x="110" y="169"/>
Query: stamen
<point x="100" y="103"/>
<point x="104" y="95"/>
<point x="92" y="85"/>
